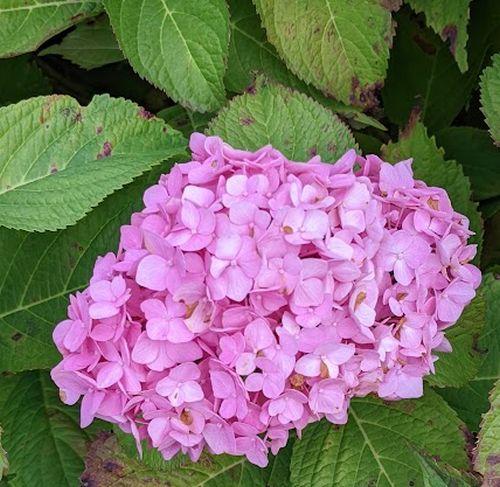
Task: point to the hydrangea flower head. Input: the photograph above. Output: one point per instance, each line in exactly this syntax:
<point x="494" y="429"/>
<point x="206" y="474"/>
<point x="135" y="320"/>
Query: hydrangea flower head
<point x="254" y="295"/>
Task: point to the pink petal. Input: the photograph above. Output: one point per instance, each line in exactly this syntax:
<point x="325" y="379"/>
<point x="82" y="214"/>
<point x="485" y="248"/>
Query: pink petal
<point x="403" y="273"/>
<point x="102" y="310"/>
<point x="110" y="373"/>
<point x="152" y="273"/>
<point x="308" y="365"/>
<point x="157" y="329"/>
<point x="238" y="284"/>
<point x="190" y="215"/>
<point x="192" y="391"/>
<point x="228" y="247"/>
<point x="145" y="350"/>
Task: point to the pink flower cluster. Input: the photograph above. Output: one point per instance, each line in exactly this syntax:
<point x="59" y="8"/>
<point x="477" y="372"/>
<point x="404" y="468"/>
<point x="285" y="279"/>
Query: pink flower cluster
<point x="253" y="295"/>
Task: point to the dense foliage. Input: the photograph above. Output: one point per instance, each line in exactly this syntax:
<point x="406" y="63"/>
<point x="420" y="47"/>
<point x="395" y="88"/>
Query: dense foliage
<point x="98" y="98"/>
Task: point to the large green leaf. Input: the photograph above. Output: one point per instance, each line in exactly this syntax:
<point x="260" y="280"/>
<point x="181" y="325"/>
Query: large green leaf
<point x="45" y="443"/>
<point x="21" y="78"/>
<point x="341" y="47"/>
<point x="487" y="459"/>
<point x="290" y="121"/>
<point x="449" y="21"/>
<point x="26" y="24"/>
<point x="422" y="71"/>
<point x="38" y="271"/>
<point x="376" y="446"/>
<point x="490" y="97"/>
<point x="472" y="148"/>
<point x="250" y="54"/>
<point x="430" y="166"/>
<point x="58" y="159"/>
<point x="457" y="368"/>
<point x="90" y="45"/>
<point x="180" y="46"/>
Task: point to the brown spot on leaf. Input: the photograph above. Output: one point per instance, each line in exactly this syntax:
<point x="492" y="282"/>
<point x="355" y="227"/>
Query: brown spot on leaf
<point x="391" y="5"/>
<point x="16" y="336"/>
<point x="106" y="150"/>
<point x="112" y="467"/>
<point x="143" y="113"/>
<point x="406" y="406"/>
<point x="412" y="121"/>
<point x="251" y="89"/>
<point x="98" y="130"/>
<point x="366" y="96"/>
<point x="313" y="151"/>
<point x="53" y="169"/>
<point x="106" y="465"/>
<point x="469" y="441"/>
<point x="449" y="34"/>
<point x="493" y="459"/>
<point x="247" y="121"/>
<point x="331" y="147"/>
<point x="76" y="17"/>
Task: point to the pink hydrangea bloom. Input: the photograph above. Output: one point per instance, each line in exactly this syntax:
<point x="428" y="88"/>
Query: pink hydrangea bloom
<point x="253" y="295"/>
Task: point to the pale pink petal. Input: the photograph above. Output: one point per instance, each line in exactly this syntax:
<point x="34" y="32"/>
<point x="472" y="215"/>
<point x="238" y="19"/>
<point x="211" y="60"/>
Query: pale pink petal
<point x="238" y="284"/>
<point x="152" y="273"/>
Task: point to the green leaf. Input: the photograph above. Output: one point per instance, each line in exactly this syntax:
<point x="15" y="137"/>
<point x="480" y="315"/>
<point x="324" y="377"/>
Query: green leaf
<point x="449" y="20"/>
<point x="430" y="166"/>
<point x="342" y="48"/>
<point x="487" y="460"/>
<point x="457" y="368"/>
<point x="432" y="79"/>
<point x="39" y="270"/>
<point x="290" y="121"/>
<point x="58" y="159"/>
<point x="472" y="148"/>
<point x="21" y="78"/>
<point x="469" y="401"/>
<point x="250" y="54"/>
<point x="179" y="46"/>
<point x="375" y="447"/>
<point x="438" y="475"/>
<point x="184" y="120"/>
<point x="45" y="443"/>
<point x="26" y="24"/>
<point x="490" y="97"/>
<point x="4" y="464"/>
<point x="129" y="471"/>
<point x="90" y="45"/>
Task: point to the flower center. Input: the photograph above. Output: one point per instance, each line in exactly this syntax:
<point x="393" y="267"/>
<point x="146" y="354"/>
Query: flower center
<point x="186" y="417"/>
